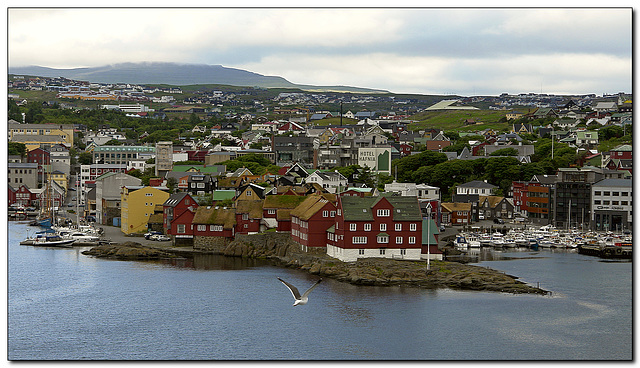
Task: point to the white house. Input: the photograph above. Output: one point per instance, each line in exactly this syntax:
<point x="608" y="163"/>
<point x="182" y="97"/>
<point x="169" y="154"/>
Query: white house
<point x="332" y="181"/>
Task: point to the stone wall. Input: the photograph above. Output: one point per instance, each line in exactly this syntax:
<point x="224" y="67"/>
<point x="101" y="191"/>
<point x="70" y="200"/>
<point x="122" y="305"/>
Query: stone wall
<point x="210" y="243"/>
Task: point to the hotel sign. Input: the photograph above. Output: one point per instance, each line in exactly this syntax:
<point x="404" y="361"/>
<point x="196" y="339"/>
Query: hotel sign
<point x="378" y="159"/>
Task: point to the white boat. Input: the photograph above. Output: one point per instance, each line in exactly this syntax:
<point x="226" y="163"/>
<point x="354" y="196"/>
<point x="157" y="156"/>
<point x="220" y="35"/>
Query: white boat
<point x="497" y="240"/>
<point x="460" y="241"/>
<point x="45" y="240"/>
<point x="473" y="240"/>
<point x="485" y="240"/>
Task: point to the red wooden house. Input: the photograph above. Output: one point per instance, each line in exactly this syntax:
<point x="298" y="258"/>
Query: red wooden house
<point x="12" y="196"/>
<point x="178" y="212"/>
<point x="311" y="219"/>
<point x="211" y="221"/>
<point x="456" y="213"/>
<point x="276" y="210"/>
<point x="383" y="227"/>
<point x="248" y="216"/>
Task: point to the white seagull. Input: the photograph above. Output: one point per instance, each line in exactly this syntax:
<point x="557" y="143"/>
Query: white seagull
<point x="300" y="299"/>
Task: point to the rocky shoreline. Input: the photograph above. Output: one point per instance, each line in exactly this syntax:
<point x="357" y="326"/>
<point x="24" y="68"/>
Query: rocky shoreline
<point x="372" y="271"/>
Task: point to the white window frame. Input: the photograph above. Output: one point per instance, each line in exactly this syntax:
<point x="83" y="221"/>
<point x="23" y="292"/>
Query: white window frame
<point x="384" y="213"/>
<point x="398" y="227"/>
<point x="367" y="227"/>
<point x="353" y="227"/>
<point x="413" y="227"/>
<point x="383" y="227"/>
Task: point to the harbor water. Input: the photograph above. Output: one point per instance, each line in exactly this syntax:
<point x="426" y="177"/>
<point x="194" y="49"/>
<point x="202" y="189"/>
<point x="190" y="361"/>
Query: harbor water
<point x="63" y="305"/>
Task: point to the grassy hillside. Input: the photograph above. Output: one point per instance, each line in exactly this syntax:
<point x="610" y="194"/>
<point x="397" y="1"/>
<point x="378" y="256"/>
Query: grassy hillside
<point x="454" y="120"/>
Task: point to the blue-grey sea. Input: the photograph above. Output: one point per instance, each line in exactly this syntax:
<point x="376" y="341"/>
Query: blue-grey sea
<point x="63" y="305"/>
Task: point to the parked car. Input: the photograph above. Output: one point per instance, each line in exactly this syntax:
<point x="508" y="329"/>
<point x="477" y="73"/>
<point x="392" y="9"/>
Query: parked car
<point x="150" y="234"/>
<point x="498" y="221"/>
<point x="160" y="237"/>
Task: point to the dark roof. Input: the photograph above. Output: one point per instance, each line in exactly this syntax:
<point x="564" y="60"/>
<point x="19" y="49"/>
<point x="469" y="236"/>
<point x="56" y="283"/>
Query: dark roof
<point x="361" y="208"/>
<point x="477" y="184"/>
<point x="174" y="199"/>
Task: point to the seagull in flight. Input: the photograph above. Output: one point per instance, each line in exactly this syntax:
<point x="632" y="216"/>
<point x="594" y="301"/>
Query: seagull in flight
<point x="300" y="299"/>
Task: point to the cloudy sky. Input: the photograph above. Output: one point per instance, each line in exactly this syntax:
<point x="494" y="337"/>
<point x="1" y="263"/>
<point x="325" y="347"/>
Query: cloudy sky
<point x="466" y="51"/>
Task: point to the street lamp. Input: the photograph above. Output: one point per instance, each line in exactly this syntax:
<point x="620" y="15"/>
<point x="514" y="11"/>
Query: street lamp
<point x="428" y="238"/>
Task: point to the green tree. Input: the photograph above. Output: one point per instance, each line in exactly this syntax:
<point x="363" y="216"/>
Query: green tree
<point x="14" y="111"/>
<point x="17" y="148"/>
<point x="85" y="158"/>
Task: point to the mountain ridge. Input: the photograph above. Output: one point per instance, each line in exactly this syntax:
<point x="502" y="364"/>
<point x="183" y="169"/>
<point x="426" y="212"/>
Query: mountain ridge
<point x="178" y="74"/>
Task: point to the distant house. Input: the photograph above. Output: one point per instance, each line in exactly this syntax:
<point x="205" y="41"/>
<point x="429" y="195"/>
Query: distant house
<point x="178" y="213"/>
<point x="490" y="207"/>
<point x="522" y="128"/>
<point x="209" y="221"/>
<point x="456" y="213"/>
<point x="586" y="138"/>
<point x="249" y="216"/>
<point x="276" y="210"/>
<point x="329" y="180"/>
<point x="380" y="227"/>
<point x="310" y="221"/>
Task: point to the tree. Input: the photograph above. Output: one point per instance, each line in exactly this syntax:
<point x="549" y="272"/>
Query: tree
<point x="113" y="142"/>
<point x="14" y="111"/>
<point x="17" y="148"/>
<point x="85" y="158"/>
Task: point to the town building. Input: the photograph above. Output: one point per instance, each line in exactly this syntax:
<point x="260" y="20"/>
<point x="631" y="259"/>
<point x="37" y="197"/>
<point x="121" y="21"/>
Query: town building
<point x="310" y="221"/>
<point x="178" y="213"/>
<point x="381" y="227"/>
<point x="612" y="206"/>
<point x="121" y="154"/>
<point x="30" y="133"/>
<point x="455" y="213"/>
<point x="108" y="196"/>
<point x="211" y="223"/>
<point x="22" y="173"/>
<point x="164" y="158"/>
<point x="138" y="204"/>
<point x="276" y="210"/>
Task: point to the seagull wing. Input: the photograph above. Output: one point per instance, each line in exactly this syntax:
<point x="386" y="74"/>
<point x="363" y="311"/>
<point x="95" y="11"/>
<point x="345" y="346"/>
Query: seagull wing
<point x="311" y="288"/>
<point x="293" y="289"/>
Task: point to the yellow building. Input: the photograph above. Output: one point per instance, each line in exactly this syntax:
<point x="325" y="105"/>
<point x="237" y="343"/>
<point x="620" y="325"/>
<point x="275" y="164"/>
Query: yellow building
<point x="41" y="133"/>
<point x="61" y="179"/>
<point x="138" y="203"/>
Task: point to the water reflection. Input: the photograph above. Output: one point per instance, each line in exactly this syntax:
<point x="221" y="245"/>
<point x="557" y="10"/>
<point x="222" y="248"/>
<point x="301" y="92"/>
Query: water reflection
<point x="215" y="262"/>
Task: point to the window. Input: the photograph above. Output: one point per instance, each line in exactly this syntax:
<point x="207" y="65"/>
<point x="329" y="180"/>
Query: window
<point x="412" y="240"/>
<point x="605" y="203"/>
<point x="245" y="216"/>
<point x="383" y="239"/>
<point x="384" y="213"/>
<point x="359" y="240"/>
<point x="367" y="227"/>
<point x="412" y="227"/>
<point x="614" y="203"/>
<point x="353" y="227"/>
<point x="596" y="201"/>
<point x="597" y="192"/>
<point x="333" y="213"/>
<point x="398" y="240"/>
<point x="624" y="203"/>
<point x="325" y="213"/>
<point x="382" y="251"/>
<point x="181" y="228"/>
<point x="607" y="193"/>
<point x="383" y="227"/>
<point x="615" y="194"/>
<point x="271" y="211"/>
<point x="624" y="194"/>
<point x="202" y="227"/>
<point x="398" y="227"/>
<point x="248" y="193"/>
<point x="361" y="252"/>
<point x="403" y="252"/>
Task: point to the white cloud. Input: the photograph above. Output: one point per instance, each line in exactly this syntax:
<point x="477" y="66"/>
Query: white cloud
<point x="402" y="50"/>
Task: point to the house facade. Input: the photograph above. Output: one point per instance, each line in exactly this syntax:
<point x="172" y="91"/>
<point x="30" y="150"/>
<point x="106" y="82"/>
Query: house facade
<point x="382" y="227"/>
<point x="177" y="216"/>
<point x="310" y="221"/>
<point x="138" y="204"/>
<point x="612" y="206"/>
